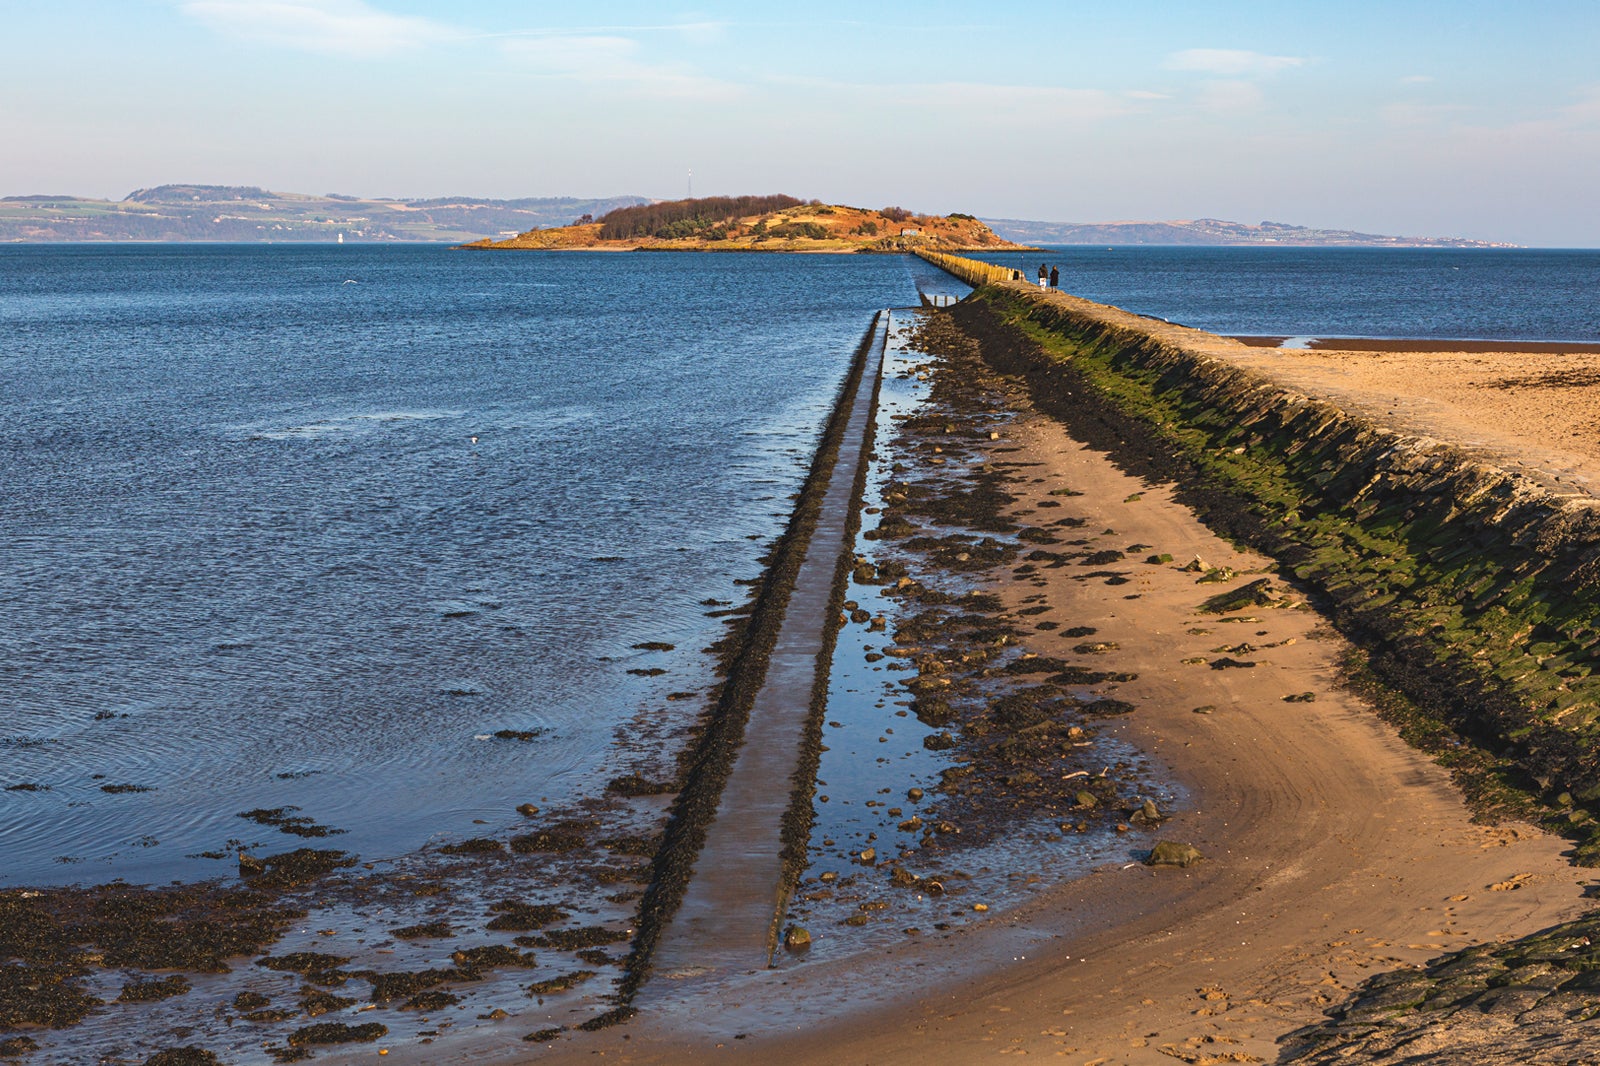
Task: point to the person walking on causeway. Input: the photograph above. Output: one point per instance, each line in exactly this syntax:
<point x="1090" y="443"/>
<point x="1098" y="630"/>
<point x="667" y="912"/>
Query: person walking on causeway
<point x="1044" y="275"/>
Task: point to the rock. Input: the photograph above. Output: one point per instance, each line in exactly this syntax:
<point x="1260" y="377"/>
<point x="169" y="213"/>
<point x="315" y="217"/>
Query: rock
<point x="797" y="938"/>
<point x="1086" y="799"/>
<point x="869" y="856"/>
<point x="1148" y="814"/>
<point x="1196" y="565"/>
<point x="914" y="794"/>
<point x="527" y="810"/>
<point x="1206" y="708"/>
<point x="1168" y="853"/>
<point x="250" y="866"/>
<point x="1303" y="697"/>
<point x="1257" y="593"/>
<point x="1226" y="663"/>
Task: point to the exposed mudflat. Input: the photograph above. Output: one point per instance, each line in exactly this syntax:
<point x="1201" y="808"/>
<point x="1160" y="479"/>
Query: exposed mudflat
<point x="1048" y="673"/>
<point x="1332" y="851"/>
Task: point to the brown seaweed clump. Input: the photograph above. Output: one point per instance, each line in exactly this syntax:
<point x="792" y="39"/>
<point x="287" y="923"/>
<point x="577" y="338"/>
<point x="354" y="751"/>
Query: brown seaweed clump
<point x="50" y="940"/>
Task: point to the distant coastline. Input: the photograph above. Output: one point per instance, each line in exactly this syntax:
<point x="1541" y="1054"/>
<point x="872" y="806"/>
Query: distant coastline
<point x="232" y="213"/>
<point x="1215" y="232"/>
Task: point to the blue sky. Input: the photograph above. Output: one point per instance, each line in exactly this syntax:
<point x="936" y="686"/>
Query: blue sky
<point x="1417" y="117"/>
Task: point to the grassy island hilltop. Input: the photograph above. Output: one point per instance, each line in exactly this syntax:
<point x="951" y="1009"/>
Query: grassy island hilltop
<point x="759" y="224"/>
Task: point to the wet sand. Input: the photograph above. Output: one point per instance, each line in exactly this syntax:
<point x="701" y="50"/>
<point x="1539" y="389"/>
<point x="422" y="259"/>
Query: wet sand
<point x="1333" y="850"/>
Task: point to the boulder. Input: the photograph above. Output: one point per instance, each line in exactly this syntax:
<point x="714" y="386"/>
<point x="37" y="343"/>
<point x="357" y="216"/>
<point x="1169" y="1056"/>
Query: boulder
<point x="1148" y="814"/>
<point x="1169" y="853"/>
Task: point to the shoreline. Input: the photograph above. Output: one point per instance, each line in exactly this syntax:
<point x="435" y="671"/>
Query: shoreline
<point x="1334" y="851"/>
<point x="1414" y="344"/>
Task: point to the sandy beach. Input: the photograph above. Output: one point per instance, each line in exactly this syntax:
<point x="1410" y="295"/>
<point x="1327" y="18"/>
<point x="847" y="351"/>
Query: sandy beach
<point x="1530" y="406"/>
<point x="1333" y="850"/>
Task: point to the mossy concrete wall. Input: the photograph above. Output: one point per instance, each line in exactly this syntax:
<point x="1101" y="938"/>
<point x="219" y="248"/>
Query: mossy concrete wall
<point x="1473" y="589"/>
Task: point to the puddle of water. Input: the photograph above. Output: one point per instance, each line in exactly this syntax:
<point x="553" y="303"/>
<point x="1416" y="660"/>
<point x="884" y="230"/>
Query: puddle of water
<point x="875" y="762"/>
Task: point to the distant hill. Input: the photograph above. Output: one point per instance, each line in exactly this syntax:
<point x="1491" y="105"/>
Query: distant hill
<point x="1211" y="231"/>
<point x="759" y="224"/>
<point x="248" y="213"/>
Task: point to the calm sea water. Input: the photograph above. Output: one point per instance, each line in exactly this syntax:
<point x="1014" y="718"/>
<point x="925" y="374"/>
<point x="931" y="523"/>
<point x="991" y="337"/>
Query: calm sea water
<point x="306" y="525"/>
<point x="1491" y="294"/>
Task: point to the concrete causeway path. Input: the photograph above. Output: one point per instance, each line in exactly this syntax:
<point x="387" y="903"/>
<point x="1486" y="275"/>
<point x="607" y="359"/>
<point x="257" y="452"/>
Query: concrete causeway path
<point x="728" y="919"/>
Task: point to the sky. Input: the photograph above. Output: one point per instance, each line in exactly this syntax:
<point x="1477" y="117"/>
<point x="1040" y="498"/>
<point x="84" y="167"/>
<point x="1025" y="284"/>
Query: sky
<point x="1458" y="118"/>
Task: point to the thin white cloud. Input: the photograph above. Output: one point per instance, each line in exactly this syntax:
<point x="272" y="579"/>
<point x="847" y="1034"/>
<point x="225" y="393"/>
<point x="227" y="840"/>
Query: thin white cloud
<point x="1417" y="79"/>
<point x="331" y="27"/>
<point x="1421" y="116"/>
<point x="1230" y="97"/>
<point x="609" y="60"/>
<point x="1584" y="112"/>
<point x="1231" y="63"/>
<point x="1563" y="128"/>
<point x="1023" y="102"/>
<point x="1145" y="94"/>
<point x="995" y="103"/>
<point x="701" y="32"/>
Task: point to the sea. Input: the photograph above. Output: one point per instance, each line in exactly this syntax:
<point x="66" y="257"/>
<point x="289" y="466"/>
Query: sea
<point x="1459" y="294"/>
<point x="389" y="539"/>
<point x="307" y="527"/>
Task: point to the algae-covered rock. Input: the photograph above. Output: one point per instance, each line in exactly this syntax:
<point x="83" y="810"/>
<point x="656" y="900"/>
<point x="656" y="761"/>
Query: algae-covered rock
<point x="1147" y="815"/>
<point x="1169" y="853"/>
<point x="1257" y="593"/>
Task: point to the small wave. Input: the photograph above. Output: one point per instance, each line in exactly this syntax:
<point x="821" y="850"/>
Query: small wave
<point x="405" y="416"/>
<point x="335" y="425"/>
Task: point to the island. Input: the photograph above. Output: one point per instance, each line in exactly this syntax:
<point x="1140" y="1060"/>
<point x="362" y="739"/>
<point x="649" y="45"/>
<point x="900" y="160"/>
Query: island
<point x="759" y="224"/>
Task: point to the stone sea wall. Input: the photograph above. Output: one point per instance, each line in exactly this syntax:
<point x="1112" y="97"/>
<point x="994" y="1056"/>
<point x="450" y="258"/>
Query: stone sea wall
<point x="1470" y="590"/>
<point x="744" y="656"/>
